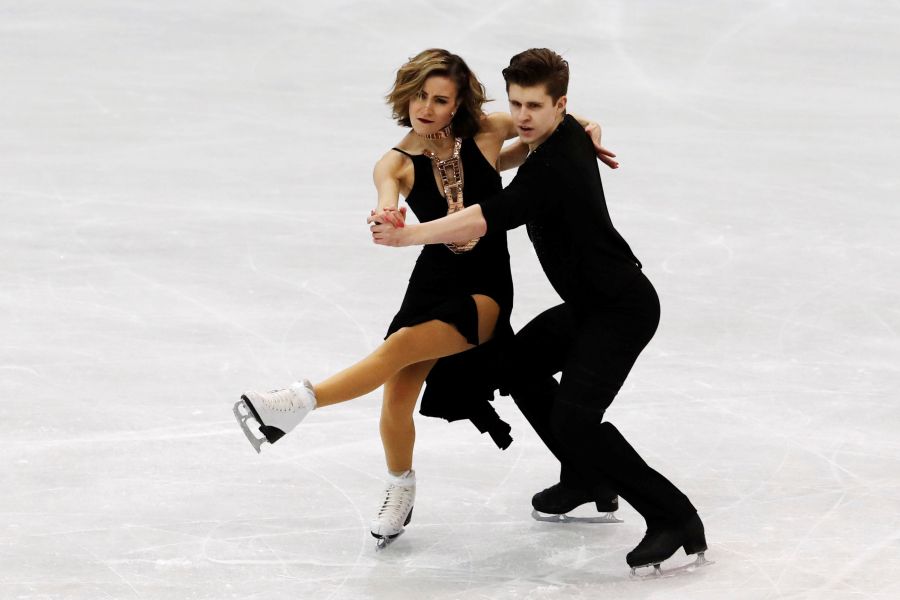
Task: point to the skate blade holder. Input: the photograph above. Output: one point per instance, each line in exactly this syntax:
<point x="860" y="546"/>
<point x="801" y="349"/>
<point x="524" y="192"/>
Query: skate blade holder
<point x="383" y="541"/>
<point x="245" y="417"/>
<point x="565" y="518"/>
<point x="659" y="573"/>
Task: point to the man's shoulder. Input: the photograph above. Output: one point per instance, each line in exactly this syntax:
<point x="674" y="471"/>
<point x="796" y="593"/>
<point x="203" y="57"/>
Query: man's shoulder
<point x="572" y="147"/>
<point x="568" y="138"/>
<point x="572" y="134"/>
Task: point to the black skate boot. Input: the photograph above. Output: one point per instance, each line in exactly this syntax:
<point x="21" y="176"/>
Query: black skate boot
<point x="552" y="504"/>
<point x="661" y="542"/>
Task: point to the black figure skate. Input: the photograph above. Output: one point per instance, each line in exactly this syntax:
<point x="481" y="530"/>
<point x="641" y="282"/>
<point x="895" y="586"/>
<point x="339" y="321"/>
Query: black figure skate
<point x="553" y="505"/>
<point x="660" y="543"/>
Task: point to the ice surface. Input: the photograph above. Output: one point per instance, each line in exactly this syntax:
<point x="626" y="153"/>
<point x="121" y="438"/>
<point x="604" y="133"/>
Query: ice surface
<point x="183" y="193"/>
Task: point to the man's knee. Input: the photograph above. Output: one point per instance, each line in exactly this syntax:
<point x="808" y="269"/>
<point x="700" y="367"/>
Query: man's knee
<point x="535" y="395"/>
<point x="575" y="421"/>
<point x="591" y="388"/>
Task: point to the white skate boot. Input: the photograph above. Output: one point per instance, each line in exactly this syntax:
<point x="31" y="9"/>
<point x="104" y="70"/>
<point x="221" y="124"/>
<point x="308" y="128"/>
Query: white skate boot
<point x="276" y="412"/>
<point x="396" y="510"/>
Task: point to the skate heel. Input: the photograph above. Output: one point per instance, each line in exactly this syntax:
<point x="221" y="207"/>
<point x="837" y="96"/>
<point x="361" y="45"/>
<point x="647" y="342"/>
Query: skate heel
<point x="275" y="413"/>
<point x="609" y="505"/>
<point x="694" y="536"/>
<point x="273" y="434"/>
<point x="695" y="546"/>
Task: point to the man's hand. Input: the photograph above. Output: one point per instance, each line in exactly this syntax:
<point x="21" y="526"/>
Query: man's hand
<point x="605" y="156"/>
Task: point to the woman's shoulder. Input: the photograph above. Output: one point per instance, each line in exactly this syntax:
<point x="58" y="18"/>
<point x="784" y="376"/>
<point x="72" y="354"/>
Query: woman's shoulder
<point x="400" y="152"/>
<point x="410" y="145"/>
<point x="496" y="123"/>
<point x="392" y="164"/>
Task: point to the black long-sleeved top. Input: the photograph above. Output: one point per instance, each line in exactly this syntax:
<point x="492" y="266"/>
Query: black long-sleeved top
<point x="558" y="195"/>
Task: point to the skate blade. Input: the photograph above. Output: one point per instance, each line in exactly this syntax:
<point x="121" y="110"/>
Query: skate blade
<point x="564" y="518"/>
<point x="383" y="541"/>
<point x="243" y="418"/>
<point x="659" y="573"/>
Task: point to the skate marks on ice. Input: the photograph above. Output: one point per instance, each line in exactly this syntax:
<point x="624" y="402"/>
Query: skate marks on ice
<point x="317" y="553"/>
<point x="657" y="572"/>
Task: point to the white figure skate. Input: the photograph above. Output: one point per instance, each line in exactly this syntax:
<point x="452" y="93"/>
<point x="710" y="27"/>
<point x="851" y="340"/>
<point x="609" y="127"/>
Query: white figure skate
<point x="276" y="412"/>
<point x="396" y="510"/>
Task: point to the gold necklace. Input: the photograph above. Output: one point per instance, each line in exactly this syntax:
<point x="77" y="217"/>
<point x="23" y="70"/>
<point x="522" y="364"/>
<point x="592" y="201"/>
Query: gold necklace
<point x="450" y="170"/>
<point x="437" y="135"/>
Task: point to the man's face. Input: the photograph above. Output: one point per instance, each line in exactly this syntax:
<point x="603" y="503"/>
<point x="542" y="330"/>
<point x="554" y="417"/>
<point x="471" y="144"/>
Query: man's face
<point x="534" y="112"/>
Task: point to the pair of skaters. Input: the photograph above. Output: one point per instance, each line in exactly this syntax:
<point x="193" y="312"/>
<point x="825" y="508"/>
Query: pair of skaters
<point x="452" y="330"/>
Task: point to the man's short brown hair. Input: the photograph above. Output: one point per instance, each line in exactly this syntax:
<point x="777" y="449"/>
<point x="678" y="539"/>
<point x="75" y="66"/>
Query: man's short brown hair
<point x="536" y="66"/>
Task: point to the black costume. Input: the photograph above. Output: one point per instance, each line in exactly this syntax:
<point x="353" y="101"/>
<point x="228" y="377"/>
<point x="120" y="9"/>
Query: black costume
<point x="441" y="287"/>
<point x="610" y="311"/>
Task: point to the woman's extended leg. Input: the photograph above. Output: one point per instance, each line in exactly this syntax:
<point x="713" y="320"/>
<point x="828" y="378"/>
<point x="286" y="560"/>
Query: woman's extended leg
<point x="427" y="341"/>
<point x="279" y="411"/>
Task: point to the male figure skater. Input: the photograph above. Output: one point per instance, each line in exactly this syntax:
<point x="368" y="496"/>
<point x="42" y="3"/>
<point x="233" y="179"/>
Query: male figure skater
<point x="610" y="310"/>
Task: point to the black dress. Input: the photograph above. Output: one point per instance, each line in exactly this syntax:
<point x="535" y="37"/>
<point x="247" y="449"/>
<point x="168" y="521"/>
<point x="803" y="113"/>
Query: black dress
<point x="441" y="287"/>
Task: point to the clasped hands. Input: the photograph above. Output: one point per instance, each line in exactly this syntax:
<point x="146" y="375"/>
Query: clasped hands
<point x="386" y="226"/>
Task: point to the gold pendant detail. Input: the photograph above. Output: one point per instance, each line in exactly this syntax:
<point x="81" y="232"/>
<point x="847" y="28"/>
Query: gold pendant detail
<point x="451" y="174"/>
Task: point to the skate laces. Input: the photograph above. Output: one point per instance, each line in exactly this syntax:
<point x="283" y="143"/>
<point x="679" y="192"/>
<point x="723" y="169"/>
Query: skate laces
<point x="395" y="500"/>
<point x="286" y="400"/>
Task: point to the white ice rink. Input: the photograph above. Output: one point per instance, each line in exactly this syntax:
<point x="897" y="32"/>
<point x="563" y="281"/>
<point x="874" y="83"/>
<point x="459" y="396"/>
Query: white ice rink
<point x="183" y="193"/>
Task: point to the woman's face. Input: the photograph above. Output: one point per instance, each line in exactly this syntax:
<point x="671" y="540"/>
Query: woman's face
<point x="432" y="108"/>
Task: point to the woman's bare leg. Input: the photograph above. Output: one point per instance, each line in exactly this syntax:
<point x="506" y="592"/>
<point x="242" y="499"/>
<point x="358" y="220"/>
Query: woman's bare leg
<point x="427" y="341"/>
<point x="398" y="430"/>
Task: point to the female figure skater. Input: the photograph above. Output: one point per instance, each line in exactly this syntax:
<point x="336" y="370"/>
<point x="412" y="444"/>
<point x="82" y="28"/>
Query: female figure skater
<point x="457" y="306"/>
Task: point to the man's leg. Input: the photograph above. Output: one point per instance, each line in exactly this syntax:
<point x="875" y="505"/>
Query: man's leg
<point x="607" y="344"/>
<point x="539" y="351"/>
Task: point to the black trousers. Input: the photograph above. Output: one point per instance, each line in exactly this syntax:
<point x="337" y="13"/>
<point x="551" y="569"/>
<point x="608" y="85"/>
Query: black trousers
<point x="595" y="350"/>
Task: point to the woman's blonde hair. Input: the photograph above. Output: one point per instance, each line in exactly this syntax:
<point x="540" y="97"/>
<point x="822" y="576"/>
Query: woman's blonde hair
<point x="411" y="79"/>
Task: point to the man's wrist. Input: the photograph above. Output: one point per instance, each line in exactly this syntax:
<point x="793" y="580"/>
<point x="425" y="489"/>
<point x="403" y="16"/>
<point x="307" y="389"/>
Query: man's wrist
<point x="412" y="234"/>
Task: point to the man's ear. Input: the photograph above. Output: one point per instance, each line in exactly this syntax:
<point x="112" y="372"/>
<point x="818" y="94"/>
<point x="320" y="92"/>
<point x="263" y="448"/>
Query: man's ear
<point x="561" y="104"/>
